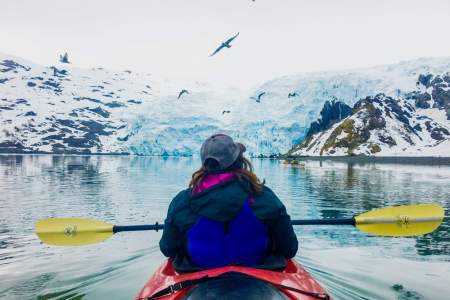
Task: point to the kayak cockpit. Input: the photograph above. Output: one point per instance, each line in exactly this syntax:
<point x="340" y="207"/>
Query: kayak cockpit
<point x="234" y="286"/>
<point x="233" y="282"/>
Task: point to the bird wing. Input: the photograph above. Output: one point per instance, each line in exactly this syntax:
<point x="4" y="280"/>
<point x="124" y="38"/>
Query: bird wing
<point x="231" y="39"/>
<point x="181" y="93"/>
<point x="217" y="50"/>
<point x="260" y="95"/>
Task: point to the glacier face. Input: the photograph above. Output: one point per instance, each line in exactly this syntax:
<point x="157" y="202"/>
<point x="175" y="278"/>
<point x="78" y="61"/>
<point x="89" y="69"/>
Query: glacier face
<point x="62" y="109"/>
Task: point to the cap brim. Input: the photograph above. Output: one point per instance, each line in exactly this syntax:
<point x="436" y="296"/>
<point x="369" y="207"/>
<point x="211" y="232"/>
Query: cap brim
<point x="241" y="147"/>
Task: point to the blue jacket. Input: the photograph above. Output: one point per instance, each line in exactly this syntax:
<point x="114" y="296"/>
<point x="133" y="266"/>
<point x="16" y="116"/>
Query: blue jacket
<point x="223" y="203"/>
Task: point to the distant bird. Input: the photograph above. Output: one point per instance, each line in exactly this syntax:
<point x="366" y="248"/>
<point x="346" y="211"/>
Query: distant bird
<point x="258" y="99"/>
<point x="226" y="112"/>
<point x="64" y="58"/>
<point x="294" y="94"/>
<point x="225" y="44"/>
<point x="182" y="92"/>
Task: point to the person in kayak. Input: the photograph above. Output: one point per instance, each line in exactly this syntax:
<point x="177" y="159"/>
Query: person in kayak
<point x="227" y="216"/>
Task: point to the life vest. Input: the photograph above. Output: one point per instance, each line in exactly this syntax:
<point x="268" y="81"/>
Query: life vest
<point x="241" y="241"/>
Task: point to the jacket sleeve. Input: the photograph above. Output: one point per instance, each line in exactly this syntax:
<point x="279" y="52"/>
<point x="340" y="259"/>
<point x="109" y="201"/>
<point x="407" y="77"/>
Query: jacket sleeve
<point x="286" y="243"/>
<point x="285" y="239"/>
<point x="171" y="234"/>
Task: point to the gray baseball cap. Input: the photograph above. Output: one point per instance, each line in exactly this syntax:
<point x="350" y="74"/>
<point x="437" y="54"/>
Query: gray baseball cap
<point x="221" y="148"/>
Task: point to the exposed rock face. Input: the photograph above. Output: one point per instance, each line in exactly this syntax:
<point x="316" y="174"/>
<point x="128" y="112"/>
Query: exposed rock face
<point x="8" y="65"/>
<point x="382" y="125"/>
<point x="425" y="79"/>
<point x="331" y="113"/>
<point x="63" y="109"/>
<point x="434" y="92"/>
<point x="51" y="110"/>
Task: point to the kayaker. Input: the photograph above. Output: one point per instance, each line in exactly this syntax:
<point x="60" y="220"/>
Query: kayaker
<point x="227" y="216"/>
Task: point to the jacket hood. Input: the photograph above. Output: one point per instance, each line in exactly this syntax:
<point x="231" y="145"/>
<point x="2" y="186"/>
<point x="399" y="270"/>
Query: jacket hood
<point x="220" y="202"/>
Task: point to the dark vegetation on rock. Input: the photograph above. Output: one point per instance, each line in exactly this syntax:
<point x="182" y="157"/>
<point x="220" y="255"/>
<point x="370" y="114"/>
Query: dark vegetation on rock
<point x="372" y="114"/>
<point x="331" y="113"/>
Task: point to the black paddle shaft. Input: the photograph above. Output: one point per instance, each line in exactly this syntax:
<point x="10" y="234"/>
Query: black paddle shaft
<point x="346" y="221"/>
<point x="157" y="226"/>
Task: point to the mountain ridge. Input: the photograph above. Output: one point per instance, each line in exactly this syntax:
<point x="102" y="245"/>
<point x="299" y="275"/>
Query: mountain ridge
<point x="415" y="125"/>
<point x="65" y="109"/>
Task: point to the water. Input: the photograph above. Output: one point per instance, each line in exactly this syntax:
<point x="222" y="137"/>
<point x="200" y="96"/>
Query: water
<point x="137" y="190"/>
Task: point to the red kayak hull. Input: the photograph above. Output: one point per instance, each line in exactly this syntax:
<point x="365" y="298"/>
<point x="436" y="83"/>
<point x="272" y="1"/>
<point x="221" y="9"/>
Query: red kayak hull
<point x="294" y="275"/>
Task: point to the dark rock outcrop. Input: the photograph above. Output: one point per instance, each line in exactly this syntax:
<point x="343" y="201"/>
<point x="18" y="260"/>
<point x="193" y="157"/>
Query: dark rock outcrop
<point x="425" y="79"/>
<point x="422" y="100"/>
<point x="98" y="110"/>
<point x="380" y="122"/>
<point x="30" y="114"/>
<point x="331" y="113"/>
<point x="10" y="65"/>
<point x="440" y="92"/>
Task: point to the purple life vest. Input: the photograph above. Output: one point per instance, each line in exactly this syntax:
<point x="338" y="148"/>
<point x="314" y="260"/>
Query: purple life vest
<point x="241" y="241"/>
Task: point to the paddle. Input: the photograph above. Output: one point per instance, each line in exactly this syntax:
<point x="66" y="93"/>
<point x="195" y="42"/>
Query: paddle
<point x="403" y="220"/>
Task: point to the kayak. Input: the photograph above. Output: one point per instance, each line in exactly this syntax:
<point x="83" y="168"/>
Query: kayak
<point x="233" y="282"/>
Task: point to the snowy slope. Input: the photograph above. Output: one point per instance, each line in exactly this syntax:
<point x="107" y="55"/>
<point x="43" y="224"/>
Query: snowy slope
<point x="279" y="122"/>
<point x="62" y="109"/>
<point x="383" y="126"/>
<point x="65" y="109"/>
<point x="72" y="110"/>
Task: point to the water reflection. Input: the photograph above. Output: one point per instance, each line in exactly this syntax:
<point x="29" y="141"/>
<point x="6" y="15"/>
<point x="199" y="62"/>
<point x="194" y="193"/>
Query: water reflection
<point x="340" y="191"/>
<point x="69" y="294"/>
<point x="437" y="242"/>
<point x="137" y="190"/>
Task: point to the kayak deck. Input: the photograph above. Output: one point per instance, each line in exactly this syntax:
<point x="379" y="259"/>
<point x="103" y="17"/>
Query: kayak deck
<point x="294" y="275"/>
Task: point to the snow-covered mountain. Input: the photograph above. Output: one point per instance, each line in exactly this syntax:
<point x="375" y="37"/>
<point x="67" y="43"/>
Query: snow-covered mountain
<point x="64" y="109"/>
<point x="415" y="125"/>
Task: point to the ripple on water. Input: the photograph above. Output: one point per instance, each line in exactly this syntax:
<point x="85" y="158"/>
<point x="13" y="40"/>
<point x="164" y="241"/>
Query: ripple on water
<point x="137" y="190"/>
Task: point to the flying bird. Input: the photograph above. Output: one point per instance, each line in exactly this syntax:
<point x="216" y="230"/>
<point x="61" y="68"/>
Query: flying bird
<point x="292" y="95"/>
<point x="226" y="112"/>
<point x="182" y="92"/>
<point x="258" y="99"/>
<point x="225" y="44"/>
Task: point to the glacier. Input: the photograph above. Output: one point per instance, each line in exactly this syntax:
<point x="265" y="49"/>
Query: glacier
<point x="65" y="109"/>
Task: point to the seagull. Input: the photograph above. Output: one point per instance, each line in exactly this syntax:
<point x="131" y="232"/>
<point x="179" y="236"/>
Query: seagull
<point x="226" y="112"/>
<point x="225" y="44"/>
<point x="258" y="99"/>
<point x="294" y="94"/>
<point x="182" y="92"/>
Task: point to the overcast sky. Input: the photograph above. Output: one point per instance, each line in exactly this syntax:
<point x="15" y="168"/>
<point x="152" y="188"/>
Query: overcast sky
<point x="175" y="38"/>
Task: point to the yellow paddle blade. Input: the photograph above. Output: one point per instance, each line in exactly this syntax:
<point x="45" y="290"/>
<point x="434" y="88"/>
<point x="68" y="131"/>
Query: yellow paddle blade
<point x="73" y="231"/>
<point x="403" y="220"/>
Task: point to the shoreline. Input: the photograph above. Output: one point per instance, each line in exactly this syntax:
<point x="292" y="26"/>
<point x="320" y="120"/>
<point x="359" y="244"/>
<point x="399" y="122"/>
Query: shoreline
<point x="414" y="160"/>
<point x="405" y="160"/>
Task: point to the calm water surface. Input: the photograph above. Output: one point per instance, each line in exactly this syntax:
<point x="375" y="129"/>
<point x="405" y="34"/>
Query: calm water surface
<point x="137" y="190"/>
